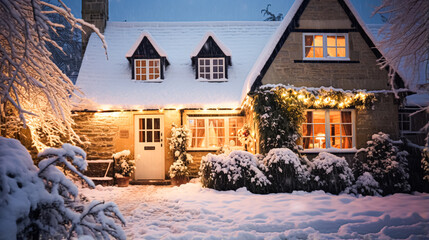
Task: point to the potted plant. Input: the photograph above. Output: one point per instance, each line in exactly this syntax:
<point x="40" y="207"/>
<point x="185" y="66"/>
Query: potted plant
<point x="124" y="168"/>
<point x="180" y="139"/>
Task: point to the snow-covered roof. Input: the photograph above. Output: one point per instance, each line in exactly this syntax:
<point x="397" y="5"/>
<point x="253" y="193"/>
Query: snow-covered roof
<point x="417" y="100"/>
<point x="222" y="46"/>
<point x="108" y="84"/>
<point x="136" y="44"/>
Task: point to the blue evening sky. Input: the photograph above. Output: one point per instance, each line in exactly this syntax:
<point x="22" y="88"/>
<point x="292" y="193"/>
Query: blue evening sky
<point x="206" y="10"/>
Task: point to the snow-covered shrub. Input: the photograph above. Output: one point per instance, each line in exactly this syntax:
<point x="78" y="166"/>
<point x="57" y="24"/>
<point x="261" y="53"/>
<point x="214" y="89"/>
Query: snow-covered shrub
<point x="233" y="171"/>
<point x="179" y="141"/>
<point x="331" y="173"/>
<point x="365" y="185"/>
<point x="124" y="167"/>
<point x="41" y="203"/>
<point x="385" y="162"/>
<point x="285" y="170"/>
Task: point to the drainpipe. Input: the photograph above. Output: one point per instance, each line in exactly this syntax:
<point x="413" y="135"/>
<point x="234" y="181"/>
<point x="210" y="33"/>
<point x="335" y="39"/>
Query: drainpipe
<point x="181" y="116"/>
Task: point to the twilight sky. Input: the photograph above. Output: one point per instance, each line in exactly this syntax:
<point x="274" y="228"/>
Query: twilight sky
<point x="206" y="10"/>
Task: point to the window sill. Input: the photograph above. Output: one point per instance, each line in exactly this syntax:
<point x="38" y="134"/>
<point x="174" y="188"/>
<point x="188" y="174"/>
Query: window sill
<point x="214" y="81"/>
<point x="149" y="81"/>
<point x="330" y="150"/>
<point x="320" y="60"/>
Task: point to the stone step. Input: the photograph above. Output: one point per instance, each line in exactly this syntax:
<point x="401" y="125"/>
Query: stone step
<point x="150" y="182"/>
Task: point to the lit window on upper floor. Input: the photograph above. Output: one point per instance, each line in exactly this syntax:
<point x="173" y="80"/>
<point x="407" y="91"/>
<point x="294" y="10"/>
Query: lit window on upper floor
<point x="325" y="46"/>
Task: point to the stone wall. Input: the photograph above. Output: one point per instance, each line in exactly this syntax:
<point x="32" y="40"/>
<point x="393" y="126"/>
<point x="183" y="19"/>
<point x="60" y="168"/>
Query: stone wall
<point x="365" y="74"/>
<point x="95" y="12"/>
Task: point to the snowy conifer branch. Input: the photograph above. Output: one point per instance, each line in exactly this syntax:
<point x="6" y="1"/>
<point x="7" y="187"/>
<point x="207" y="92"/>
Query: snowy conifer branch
<point x="31" y="85"/>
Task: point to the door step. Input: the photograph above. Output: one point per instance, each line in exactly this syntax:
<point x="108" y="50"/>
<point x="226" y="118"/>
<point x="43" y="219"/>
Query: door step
<point x="151" y="182"/>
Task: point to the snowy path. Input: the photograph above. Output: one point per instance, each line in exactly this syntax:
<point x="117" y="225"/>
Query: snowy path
<point x="190" y="211"/>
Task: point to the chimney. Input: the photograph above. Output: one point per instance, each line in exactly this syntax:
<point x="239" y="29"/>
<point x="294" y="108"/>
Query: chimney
<point x="95" y="12"/>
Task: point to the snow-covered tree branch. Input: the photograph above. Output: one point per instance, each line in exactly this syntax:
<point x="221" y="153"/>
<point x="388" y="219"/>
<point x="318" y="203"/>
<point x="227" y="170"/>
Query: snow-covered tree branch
<point x="405" y="41"/>
<point x="31" y="85"/>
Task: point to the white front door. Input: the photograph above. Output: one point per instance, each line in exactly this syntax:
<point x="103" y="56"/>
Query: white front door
<point x="149" y="146"/>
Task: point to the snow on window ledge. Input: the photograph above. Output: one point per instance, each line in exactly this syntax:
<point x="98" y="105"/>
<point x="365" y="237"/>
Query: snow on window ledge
<point x="212" y="80"/>
<point x="330" y="150"/>
<point x="148" y="81"/>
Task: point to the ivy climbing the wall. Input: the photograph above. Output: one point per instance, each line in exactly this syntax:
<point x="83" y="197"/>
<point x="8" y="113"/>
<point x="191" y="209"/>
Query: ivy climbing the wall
<point x="279" y="110"/>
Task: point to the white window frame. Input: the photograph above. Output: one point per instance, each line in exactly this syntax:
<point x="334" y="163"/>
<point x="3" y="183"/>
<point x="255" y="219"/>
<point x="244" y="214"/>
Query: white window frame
<point x="147" y="70"/>
<point x="211" y="70"/>
<point x="325" y="47"/>
<point x="206" y="130"/>
<point x="328" y="131"/>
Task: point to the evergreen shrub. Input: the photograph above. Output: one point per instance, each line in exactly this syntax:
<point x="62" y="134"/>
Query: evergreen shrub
<point x="383" y="160"/>
<point x="331" y="173"/>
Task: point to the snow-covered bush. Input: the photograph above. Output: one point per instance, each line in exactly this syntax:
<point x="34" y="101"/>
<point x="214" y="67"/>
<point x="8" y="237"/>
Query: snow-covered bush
<point x="124" y="167"/>
<point x="233" y="171"/>
<point x="179" y="141"/>
<point x="365" y="185"/>
<point x="285" y="170"/>
<point x="331" y="173"/>
<point x="41" y="203"/>
<point x="385" y="162"/>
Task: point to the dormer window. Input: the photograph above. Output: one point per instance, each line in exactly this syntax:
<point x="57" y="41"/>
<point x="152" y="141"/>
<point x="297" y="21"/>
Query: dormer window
<point x="148" y="60"/>
<point x="211" y="68"/>
<point x="325" y="46"/>
<point x="211" y="59"/>
<point x="147" y="69"/>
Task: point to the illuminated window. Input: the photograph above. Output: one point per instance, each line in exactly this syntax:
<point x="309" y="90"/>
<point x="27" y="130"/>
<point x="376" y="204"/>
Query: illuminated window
<point x="215" y="132"/>
<point x="211" y="68"/>
<point x="325" y="46"/>
<point x="147" y="69"/>
<point x="328" y="129"/>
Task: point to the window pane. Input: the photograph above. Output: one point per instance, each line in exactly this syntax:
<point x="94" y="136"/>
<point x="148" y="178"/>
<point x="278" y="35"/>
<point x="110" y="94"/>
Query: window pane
<point x="201" y="62"/>
<point x="346" y="142"/>
<point x="346" y="117"/>
<point x="200" y="123"/>
<point x="341" y="41"/>
<point x="220" y="76"/>
<point x="334" y="116"/>
<point x="138" y="63"/>
<point x="156" y="123"/>
<point x="221" y="69"/>
<point x="143" y="70"/>
<point x="220" y="61"/>
<point x="143" y="77"/>
<point x="143" y="63"/>
<point x="309" y="52"/>
<point x="214" y="61"/>
<point x="332" y="52"/>
<point x="318" y="40"/>
<point x="201" y="69"/>
<point x="157" y="136"/>
<point x="207" y="76"/>
<point x="149" y="136"/>
<point x="141" y="124"/>
<point x="138" y="77"/>
<point x="341" y="52"/>
<point x="336" y="142"/>
<point x="151" y="63"/>
<point x="207" y="69"/>
<point x="215" y="76"/>
<point x="149" y="123"/>
<point x="308" y="40"/>
<point x="318" y="52"/>
<point x="346" y="130"/>
<point x="335" y="130"/>
<point x="319" y="116"/>
<point x="141" y="136"/>
<point x="207" y="61"/>
<point x="215" y="69"/>
<point x="331" y="41"/>
<point x="138" y="70"/>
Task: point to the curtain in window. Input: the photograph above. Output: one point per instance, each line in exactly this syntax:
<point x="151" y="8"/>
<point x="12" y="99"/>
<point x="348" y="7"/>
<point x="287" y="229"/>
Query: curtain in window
<point x="346" y="120"/>
<point x="309" y="119"/>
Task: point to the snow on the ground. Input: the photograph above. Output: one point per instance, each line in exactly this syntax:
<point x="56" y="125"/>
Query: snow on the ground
<point x="193" y="212"/>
